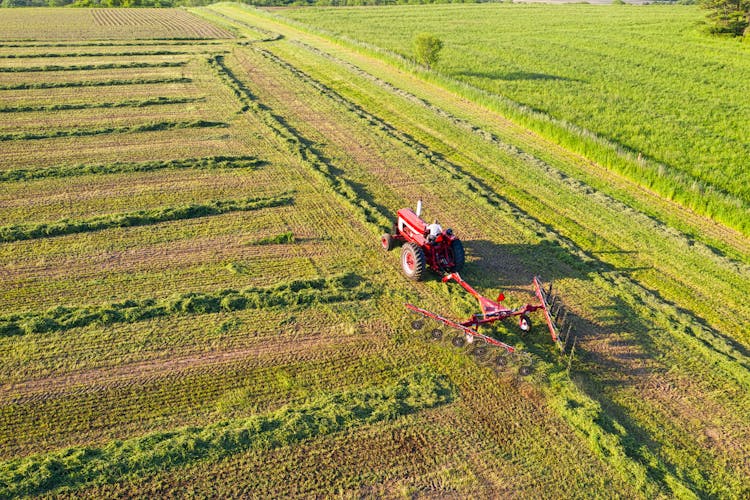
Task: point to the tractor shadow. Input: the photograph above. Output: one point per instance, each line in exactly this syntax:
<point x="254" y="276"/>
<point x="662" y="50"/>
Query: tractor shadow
<point x="514" y="265"/>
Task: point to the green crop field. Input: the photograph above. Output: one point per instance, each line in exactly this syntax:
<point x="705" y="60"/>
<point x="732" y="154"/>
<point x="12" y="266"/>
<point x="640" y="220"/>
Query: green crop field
<point x="194" y="300"/>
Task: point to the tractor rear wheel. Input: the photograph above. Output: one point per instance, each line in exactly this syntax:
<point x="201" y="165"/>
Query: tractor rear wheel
<point x="413" y="261"/>
<point x="387" y="241"/>
<point x="459" y="256"/>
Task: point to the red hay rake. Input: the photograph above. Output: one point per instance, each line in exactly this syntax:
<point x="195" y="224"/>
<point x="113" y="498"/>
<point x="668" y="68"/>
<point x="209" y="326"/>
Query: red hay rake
<point x="551" y="307"/>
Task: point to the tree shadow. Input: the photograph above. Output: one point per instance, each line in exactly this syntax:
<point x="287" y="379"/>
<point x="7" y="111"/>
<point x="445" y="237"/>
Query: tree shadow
<point x="516" y="76"/>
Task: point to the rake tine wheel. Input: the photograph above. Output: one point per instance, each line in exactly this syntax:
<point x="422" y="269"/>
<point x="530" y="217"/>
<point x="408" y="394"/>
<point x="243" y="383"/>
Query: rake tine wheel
<point x="553" y="302"/>
<point x="556" y="312"/>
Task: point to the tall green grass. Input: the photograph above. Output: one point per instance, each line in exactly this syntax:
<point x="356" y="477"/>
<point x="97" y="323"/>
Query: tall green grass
<point x="665" y="108"/>
<point x="30" y="231"/>
<point x="325" y="414"/>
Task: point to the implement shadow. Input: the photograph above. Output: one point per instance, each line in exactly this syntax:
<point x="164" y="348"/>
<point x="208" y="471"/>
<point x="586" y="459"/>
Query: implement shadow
<point x="615" y="351"/>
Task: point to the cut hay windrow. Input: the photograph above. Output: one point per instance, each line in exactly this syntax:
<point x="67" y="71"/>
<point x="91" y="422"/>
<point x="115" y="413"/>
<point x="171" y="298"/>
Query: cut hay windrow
<point x="207" y="163"/>
<point x="140" y="43"/>
<point x="147" y="127"/>
<point x="419" y="389"/>
<point x="19" y="232"/>
<point x="96" y="83"/>
<point x="345" y="287"/>
<point x="93" y="67"/>
<point x="41" y="55"/>
<point x="130" y="103"/>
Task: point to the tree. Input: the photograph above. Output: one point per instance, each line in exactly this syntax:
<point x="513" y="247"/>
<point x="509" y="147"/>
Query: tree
<point x="729" y="16"/>
<point x="427" y="49"/>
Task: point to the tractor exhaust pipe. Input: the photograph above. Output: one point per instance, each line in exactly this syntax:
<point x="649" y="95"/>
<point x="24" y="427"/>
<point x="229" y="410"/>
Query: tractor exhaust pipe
<point x="419" y="207"/>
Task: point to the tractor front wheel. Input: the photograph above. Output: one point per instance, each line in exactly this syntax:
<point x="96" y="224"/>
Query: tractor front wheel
<point x="459" y="256"/>
<point x="387" y="241"/>
<point x="413" y="261"/>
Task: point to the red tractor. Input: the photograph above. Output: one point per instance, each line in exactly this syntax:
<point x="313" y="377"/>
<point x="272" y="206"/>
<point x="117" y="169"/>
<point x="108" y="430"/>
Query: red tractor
<point x="428" y="245"/>
<point x="424" y="245"/>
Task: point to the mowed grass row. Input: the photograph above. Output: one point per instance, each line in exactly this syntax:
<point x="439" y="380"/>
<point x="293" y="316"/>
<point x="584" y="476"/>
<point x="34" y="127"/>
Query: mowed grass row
<point x="156" y="255"/>
<point x="267" y="369"/>
<point x="434" y="451"/>
<point x="322" y="415"/>
<point x="610" y="287"/>
<point x="208" y="106"/>
<point x="101" y="195"/>
<point x="117" y="118"/>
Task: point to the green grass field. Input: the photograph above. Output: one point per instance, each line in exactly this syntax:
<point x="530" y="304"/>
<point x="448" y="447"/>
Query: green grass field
<point x="195" y="302"/>
<point x="646" y="79"/>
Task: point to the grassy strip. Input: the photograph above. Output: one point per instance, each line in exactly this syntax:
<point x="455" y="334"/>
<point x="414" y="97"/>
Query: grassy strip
<point x="207" y="163"/>
<point x="147" y="127"/>
<point x="18" y="232"/>
<point x="278" y="239"/>
<point x="103" y="83"/>
<point x="266" y="35"/>
<point x="284" y="295"/>
<point x="130" y="103"/>
<point x="83" y="67"/>
<point x="99" y="54"/>
<point x="325" y="414"/>
<point x="372" y="215"/>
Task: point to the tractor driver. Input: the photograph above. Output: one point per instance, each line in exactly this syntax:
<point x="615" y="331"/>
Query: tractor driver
<point x="434" y="230"/>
